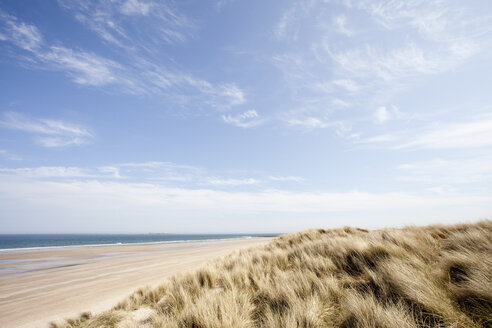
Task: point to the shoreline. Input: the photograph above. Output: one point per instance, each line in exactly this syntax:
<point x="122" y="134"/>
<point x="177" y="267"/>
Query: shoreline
<point x="37" y="287"/>
<point x="128" y="244"/>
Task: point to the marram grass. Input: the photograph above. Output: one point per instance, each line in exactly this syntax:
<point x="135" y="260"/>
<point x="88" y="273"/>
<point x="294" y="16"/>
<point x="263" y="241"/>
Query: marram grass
<point x="435" y="276"/>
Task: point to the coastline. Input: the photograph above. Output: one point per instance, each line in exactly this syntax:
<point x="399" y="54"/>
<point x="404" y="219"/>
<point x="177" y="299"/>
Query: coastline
<point x="40" y="248"/>
<point x="201" y="237"/>
<point x="47" y="284"/>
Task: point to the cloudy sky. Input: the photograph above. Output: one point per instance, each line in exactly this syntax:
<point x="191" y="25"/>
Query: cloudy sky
<point x="243" y="115"/>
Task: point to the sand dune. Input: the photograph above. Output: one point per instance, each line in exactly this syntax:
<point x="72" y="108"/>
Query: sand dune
<point x="415" y="277"/>
<point x="37" y="287"/>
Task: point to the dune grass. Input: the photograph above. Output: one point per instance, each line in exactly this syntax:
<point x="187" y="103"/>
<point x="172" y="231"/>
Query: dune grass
<point x="435" y="276"/>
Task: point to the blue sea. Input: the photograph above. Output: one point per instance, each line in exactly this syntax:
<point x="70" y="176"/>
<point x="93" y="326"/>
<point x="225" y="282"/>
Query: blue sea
<point x="15" y="241"/>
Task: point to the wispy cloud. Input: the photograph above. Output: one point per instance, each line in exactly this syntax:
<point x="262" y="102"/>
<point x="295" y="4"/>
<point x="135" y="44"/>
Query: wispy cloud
<point x="383" y="114"/>
<point x="247" y="119"/>
<point x="83" y="67"/>
<point x="232" y="182"/>
<point x="284" y="24"/>
<point x="74" y="195"/>
<point x="340" y="23"/>
<point x="468" y="134"/>
<point x="349" y="85"/>
<point x="308" y="122"/>
<point x="109" y="20"/>
<point x="155" y="173"/>
<point x="222" y="3"/>
<point x="436" y="20"/>
<point x="48" y="172"/>
<point x="380" y="138"/>
<point x="48" y="132"/>
<point x="404" y="62"/>
<point x="113" y="171"/>
<point x="160" y="171"/>
<point x="286" y="178"/>
<point x="287" y="27"/>
<point x="9" y="155"/>
<point x="336" y="66"/>
<point x="139" y="73"/>
<point x="193" y="175"/>
<point x="179" y="174"/>
<point x="136" y="7"/>
<point x="474" y="134"/>
<point x="25" y="36"/>
<point x="425" y="21"/>
<point x="448" y="171"/>
<point x="225" y="96"/>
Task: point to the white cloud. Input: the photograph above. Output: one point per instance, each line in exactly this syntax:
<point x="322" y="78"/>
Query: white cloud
<point x="449" y="135"/>
<point x="154" y="79"/>
<point x="475" y="134"/>
<point x="158" y="171"/>
<point x="308" y="122"/>
<point x="391" y="14"/>
<point x="141" y="75"/>
<point x="114" y="21"/>
<point x="34" y="194"/>
<point x="340" y="23"/>
<point x="419" y="39"/>
<point x="283" y="24"/>
<point x="348" y="85"/>
<point x="226" y="96"/>
<point x="437" y="189"/>
<point x="286" y="178"/>
<point x="84" y="68"/>
<point x="222" y="3"/>
<point x="458" y="170"/>
<point x="232" y="182"/>
<point x="58" y="142"/>
<point x="287" y="27"/>
<point x="25" y="35"/>
<point x="47" y="172"/>
<point x="49" y="132"/>
<point x="157" y="164"/>
<point x="447" y="35"/>
<point x="185" y="176"/>
<point x="340" y="103"/>
<point x="404" y="62"/>
<point x="246" y="119"/>
<point x="382" y="115"/>
<point x="440" y="21"/>
<point x="136" y="7"/>
<point x="9" y="155"/>
<point x="379" y="139"/>
<point x="113" y="171"/>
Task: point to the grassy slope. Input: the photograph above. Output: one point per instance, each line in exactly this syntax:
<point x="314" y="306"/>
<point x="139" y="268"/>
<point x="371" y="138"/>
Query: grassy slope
<point x="436" y="276"/>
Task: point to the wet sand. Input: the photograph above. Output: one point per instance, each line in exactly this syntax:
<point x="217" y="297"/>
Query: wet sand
<point x="40" y="286"/>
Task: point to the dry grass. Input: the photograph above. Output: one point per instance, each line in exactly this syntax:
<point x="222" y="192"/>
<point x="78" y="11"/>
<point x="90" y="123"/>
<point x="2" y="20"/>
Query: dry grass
<point x="436" y="276"/>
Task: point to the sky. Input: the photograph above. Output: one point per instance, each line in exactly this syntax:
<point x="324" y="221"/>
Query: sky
<point x="216" y="116"/>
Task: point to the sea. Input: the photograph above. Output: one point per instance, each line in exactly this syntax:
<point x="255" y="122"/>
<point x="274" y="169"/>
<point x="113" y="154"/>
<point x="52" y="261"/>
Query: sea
<point x="33" y="241"/>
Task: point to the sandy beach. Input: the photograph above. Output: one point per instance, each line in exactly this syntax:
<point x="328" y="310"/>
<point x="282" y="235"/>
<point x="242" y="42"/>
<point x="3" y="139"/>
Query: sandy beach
<point x="39" y="286"/>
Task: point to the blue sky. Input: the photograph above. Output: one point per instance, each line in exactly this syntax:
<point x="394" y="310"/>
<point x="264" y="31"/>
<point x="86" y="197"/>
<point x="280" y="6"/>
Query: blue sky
<point x="243" y="116"/>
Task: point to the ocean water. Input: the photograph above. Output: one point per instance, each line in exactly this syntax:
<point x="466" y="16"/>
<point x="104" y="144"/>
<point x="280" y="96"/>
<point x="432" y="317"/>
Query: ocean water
<point x="15" y="241"/>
